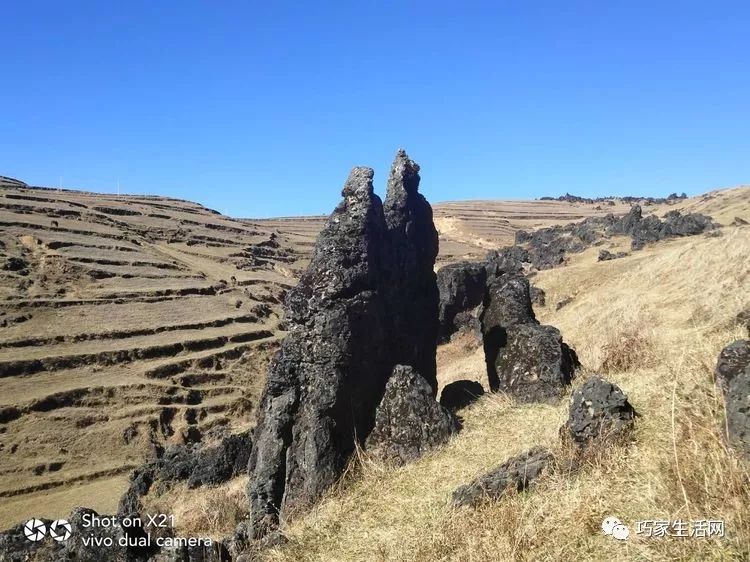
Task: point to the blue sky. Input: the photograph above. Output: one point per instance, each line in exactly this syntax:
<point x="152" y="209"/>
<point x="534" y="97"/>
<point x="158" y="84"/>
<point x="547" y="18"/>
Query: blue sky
<point x="261" y="108"/>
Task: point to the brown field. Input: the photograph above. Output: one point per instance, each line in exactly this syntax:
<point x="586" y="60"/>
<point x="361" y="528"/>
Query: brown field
<point x="137" y="318"/>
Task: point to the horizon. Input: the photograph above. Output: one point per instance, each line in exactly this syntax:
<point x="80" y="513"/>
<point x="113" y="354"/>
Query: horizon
<point x="260" y="111"/>
<point x="326" y="214"/>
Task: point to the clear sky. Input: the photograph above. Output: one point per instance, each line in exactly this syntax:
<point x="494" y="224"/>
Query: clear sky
<point x="261" y="108"/>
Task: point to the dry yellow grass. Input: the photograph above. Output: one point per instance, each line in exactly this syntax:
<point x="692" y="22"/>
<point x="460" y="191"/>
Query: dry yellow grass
<point x="681" y="296"/>
<point x="212" y="511"/>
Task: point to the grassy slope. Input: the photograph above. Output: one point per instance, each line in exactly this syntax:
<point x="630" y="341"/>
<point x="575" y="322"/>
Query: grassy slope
<point x="660" y="318"/>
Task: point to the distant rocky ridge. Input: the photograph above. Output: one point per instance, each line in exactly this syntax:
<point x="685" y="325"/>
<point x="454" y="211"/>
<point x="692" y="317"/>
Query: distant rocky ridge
<point x="568" y="198"/>
<point x="547" y="247"/>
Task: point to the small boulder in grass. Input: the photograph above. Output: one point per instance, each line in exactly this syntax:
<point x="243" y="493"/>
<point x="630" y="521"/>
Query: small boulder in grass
<point x="516" y="474"/>
<point x="599" y="412"/>
<point x="732" y="362"/>
<point x="408" y="421"/>
<point x="737" y="401"/>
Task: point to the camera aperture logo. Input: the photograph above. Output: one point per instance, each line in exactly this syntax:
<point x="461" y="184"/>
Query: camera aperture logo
<point x="60" y="530"/>
<point x="34" y="530"/>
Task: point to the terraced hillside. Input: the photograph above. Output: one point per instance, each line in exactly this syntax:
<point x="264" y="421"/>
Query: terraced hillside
<point x="133" y="322"/>
<point x="469" y="228"/>
<point x="127" y="323"/>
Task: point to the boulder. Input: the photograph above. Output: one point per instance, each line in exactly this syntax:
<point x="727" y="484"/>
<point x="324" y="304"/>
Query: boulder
<point x="599" y="411"/>
<point x="606" y="255"/>
<point x="408" y="421"/>
<point x="461" y="287"/>
<point x="367" y="301"/>
<point x="524" y="359"/>
<point x="530" y="362"/>
<point x="547" y="247"/>
<point x="517" y="473"/>
<point x="460" y="394"/>
<point x="737" y="402"/>
<point x="732" y="361"/>
<point x="507" y="303"/>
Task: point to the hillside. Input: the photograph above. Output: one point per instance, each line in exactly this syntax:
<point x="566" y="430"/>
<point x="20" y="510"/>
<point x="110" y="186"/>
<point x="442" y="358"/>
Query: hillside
<point x="468" y="229"/>
<point x="128" y="323"/>
<point x="653" y="323"/>
<point x="134" y="322"/>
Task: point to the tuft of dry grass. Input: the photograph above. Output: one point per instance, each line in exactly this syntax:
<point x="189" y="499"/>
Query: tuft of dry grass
<point x="211" y="511"/>
<point x="627" y="348"/>
<point x="677" y="298"/>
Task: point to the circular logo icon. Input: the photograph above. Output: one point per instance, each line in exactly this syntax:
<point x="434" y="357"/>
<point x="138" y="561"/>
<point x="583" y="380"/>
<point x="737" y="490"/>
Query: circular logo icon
<point x="34" y="530"/>
<point x="609" y="524"/>
<point x="60" y="530"/>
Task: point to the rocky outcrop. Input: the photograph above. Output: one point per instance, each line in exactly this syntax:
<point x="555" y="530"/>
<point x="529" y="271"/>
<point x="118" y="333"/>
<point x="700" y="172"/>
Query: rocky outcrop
<point x="737" y="403"/>
<point x="524" y="358"/>
<point x="460" y="394"/>
<point x="547" y="247"/>
<point x="732" y="362"/>
<point x="507" y="303"/>
<point x="533" y="364"/>
<point x="599" y="411"/>
<point x="461" y="287"/>
<point x="367" y="302"/>
<point x="732" y="375"/>
<point x="199" y="465"/>
<point x="410" y="287"/>
<point x="517" y="473"/>
<point x="408" y="421"/>
<point x="606" y="255"/>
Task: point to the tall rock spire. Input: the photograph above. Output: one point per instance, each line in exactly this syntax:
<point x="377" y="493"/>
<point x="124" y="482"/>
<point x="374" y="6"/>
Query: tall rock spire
<point x="413" y="247"/>
<point x="367" y="301"/>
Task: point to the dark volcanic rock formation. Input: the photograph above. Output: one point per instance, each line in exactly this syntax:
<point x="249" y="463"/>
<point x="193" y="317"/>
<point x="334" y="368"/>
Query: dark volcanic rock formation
<point x="733" y="378"/>
<point x="409" y="421"/>
<point x="508" y="302"/>
<point x="462" y="287"/>
<point x="606" y="255"/>
<point x="538" y="296"/>
<point x="199" y="465"/>
<point x="547" y="247"/>
<point x="599" y="410"/>
<point x="732" y="362"/>
<point x="523" y="358"/>
<point x="410" y="288"/>
<point x="737" y="402"/>
<point x="533" y="364"/>
<point x="327" y="379"/>
<point x="460" y="394"/>
<point x="367" y="301"/>
<point x="517" y="473"/>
